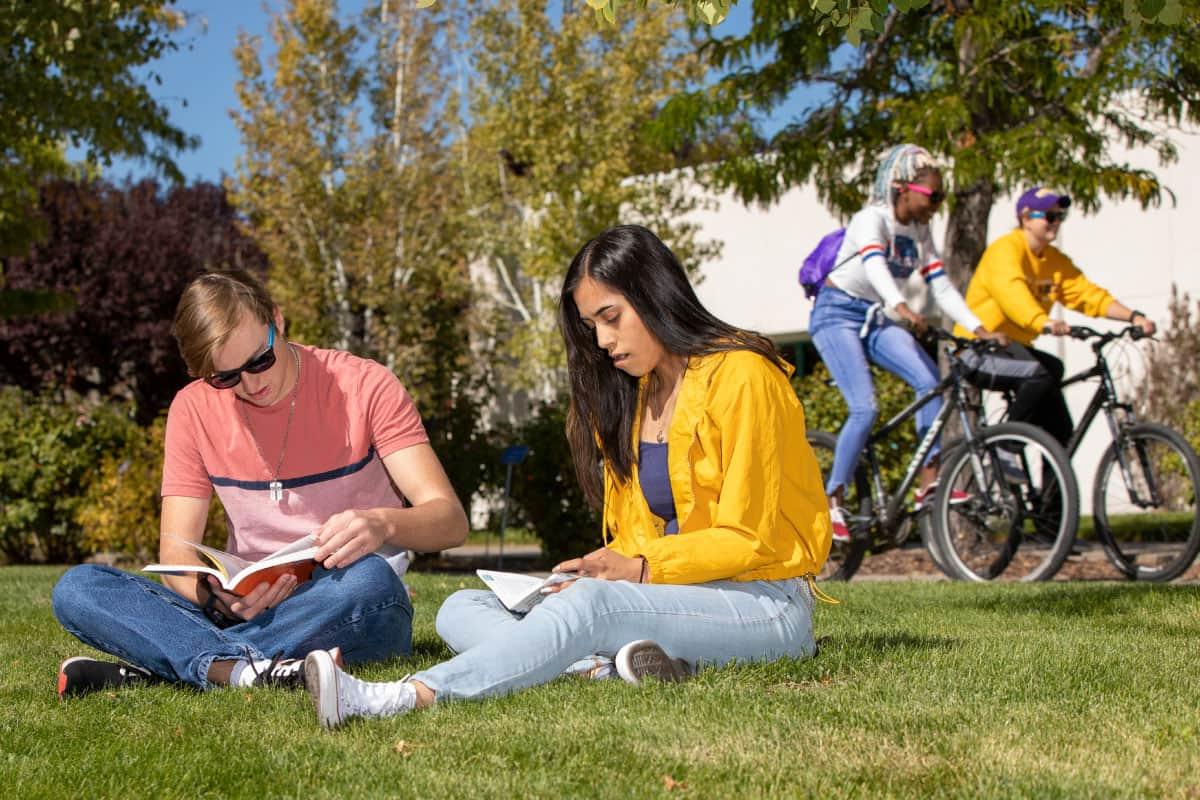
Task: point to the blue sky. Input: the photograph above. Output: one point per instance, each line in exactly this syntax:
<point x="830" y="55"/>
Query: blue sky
<point x="198" y="80"/>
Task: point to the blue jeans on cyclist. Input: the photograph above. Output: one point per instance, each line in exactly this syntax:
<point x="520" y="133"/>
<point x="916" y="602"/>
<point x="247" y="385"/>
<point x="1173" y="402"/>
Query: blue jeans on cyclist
<point x="850" y="332"/>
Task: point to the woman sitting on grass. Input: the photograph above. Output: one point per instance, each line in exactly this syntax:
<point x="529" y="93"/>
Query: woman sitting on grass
<point x="713" y="507"/>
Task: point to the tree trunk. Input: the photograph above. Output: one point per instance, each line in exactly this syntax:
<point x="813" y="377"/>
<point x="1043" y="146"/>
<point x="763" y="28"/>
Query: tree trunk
<point x="967" y="230"/>
<point x="966" y="239"/>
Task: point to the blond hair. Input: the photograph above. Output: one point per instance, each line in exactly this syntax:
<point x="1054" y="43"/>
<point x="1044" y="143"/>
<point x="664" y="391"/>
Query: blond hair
<point x="209" y="310"/>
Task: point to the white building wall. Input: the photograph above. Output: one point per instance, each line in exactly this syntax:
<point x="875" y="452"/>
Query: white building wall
<point x="1135" y="254"/>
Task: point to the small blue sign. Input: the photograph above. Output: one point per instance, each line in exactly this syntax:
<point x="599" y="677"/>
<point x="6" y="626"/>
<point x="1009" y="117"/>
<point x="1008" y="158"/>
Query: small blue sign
<point x="514" y="454"/>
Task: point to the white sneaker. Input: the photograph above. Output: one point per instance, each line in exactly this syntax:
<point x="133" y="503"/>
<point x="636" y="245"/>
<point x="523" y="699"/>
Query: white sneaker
<point x="645" y="659"/>
<point x="837" y="521"/>
<point x="338" y="697"/>
<point x="1011" y="466"/>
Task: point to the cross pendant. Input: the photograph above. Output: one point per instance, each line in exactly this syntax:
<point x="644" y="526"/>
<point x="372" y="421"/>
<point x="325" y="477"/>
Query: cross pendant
<point x="276" y="490"/>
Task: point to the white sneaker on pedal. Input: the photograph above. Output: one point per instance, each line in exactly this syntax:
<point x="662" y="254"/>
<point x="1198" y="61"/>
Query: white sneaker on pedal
<point x="1010" y="466"/>
<point x="338" y="697"/>
<point x="923" y="496"/>
<point x="837" y="520"/>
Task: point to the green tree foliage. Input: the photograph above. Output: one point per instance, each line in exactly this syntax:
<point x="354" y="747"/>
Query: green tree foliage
<point x="854" y="17"/>
<point x="72" y="75"/>
<point x="557" y="109"/>
<point x="123" y="255"/>
<point x="50" y="450"/>
<point x="348" y="184"/>
<point x="710" y="12"/>
<point x="825" y="410"/>
<point x="119" y="508"/>
<point x="545" y="491"/>
<point x="1007" y="94"/>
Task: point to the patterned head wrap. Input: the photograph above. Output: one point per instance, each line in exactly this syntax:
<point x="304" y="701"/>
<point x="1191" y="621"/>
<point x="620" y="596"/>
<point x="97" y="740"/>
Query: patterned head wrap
<point x="900" y="164"/>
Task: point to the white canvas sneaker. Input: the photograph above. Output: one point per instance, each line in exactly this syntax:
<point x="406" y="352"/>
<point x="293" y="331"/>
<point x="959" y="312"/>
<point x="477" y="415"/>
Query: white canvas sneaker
<point x="645" y="659"/>
<point x="338" y="697"/>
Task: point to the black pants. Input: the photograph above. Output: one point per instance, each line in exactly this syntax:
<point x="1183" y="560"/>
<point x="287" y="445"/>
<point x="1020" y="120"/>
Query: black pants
<point x="1035" y="377"/>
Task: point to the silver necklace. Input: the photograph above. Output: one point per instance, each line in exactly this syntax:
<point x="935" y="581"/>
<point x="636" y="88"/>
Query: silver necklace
<point x="668" y="406"/>
<point x="275" y="487"/>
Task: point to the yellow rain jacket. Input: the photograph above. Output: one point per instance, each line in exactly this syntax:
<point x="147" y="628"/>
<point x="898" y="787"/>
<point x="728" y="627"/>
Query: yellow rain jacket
<point x="748" y="491"/>
<point x="1013" y="289"/>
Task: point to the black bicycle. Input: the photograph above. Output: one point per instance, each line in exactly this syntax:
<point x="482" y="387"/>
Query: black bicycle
<point x="1147" y="482"/>
<point x="1009" y="475"/>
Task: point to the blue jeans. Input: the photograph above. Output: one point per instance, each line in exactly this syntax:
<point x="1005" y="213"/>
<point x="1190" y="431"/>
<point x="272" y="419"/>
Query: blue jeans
<point x="837" y="324"/>
<point x="709" y="623"/>
<point x="363" y="609"/>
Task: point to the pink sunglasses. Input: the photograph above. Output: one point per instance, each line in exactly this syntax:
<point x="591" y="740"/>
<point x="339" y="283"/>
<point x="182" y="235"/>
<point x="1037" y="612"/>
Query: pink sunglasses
<point x="935" y="197"/>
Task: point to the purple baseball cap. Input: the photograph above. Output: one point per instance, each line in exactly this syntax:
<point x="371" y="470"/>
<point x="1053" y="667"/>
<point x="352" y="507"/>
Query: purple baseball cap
<point x="1039" y="198"/>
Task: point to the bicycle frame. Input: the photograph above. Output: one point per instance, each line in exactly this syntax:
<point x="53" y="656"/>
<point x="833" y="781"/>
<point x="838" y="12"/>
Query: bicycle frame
<point x="888" y="508"/>
<point x="1106" y="399"/>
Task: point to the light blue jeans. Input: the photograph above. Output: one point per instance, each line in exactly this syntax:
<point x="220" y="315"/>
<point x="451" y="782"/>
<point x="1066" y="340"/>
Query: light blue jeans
<point x="837" y="325"/>
<point x="363" y="609"/>
<point x="709" y="623"/>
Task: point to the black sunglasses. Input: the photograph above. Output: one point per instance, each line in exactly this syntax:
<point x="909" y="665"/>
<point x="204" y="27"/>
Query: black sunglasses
<point x="1050" y="216"/>
<point x="260" y="363"/>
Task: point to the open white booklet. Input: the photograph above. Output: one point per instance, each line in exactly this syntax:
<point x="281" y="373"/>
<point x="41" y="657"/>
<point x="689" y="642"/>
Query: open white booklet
<point x="519" y="592"/>
<point x="240" y="576"/>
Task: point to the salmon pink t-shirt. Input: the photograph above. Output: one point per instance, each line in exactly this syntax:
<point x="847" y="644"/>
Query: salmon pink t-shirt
<point x="350" y="413"/>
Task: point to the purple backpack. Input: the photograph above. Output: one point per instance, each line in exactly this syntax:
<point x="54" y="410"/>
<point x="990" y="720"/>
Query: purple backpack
<point x="820" y="262"/>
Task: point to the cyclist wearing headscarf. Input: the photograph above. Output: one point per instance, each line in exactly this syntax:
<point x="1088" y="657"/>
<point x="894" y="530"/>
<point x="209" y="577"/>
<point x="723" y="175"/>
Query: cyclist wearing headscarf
<point x="888" y="239"/>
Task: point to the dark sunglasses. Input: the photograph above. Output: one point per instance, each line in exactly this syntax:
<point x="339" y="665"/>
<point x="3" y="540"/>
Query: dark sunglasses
<point x="1050" y="216"/>
<point x="260" y="363"/>
<point x="935" y="195"/>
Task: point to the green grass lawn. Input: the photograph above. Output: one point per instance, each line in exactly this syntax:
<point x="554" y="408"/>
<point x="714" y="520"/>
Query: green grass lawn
<point x="920" y="690"/>
<point x="511" y="536"/>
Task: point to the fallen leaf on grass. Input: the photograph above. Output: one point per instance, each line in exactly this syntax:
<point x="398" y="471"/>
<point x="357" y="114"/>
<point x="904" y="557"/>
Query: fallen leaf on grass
<point x="671" y="785"/>
<point x="404" y="748"/>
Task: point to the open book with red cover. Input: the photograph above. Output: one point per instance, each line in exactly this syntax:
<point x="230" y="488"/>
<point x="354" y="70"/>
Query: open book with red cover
<point x="240" y="576"/>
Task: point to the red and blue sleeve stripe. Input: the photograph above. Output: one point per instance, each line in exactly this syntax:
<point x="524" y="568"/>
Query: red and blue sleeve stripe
<point x="932" y="271"/>
<point x="871" y="250"/>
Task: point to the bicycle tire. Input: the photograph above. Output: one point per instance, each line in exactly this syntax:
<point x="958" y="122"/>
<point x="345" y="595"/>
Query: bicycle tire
<point x="1156" y="543"/>
<point x="844" y="557"/>
<point x="925" y="525"/>
<point x="1020" y="521"/>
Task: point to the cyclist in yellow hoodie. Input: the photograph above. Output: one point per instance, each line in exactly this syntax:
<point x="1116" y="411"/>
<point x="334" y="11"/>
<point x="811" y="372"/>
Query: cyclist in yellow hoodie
<point x="688" y="433"/>
<point x="1020" y="277"/>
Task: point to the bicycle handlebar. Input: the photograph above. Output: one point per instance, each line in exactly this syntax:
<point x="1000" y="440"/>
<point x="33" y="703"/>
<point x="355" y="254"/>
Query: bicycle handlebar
<point x="1083" y="332"/>
<point x="960" y="344"/>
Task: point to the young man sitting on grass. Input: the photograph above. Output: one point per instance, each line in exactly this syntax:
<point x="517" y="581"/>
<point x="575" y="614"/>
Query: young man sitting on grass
<point x="295" y="440"/>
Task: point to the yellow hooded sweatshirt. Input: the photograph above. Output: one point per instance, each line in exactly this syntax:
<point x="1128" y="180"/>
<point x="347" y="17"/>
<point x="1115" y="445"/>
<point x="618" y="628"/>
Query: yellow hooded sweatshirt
<point x="748" y="492"/>
<point x="1013" y="289"/>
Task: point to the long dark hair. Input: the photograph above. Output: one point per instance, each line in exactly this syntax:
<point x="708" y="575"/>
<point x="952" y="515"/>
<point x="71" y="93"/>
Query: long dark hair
<point x="633" y="261"/>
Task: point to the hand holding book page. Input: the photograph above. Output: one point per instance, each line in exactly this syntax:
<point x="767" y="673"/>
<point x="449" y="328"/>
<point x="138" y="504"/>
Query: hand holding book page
<point x="520" y="593"/>
<point x="239" y="576"/>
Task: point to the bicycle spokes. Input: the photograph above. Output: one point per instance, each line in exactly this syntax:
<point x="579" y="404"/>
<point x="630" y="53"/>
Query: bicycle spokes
<point x="1145" y="503"/>
<point x="1012" y="523"/>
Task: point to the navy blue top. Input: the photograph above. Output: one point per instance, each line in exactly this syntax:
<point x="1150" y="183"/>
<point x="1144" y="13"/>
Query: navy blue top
<point x="656" y="482"/>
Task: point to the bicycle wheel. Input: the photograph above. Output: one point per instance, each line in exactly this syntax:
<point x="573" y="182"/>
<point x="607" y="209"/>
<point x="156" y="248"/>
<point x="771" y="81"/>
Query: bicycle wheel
<point x="1146" y="517"/>
<point x="1023" y="508"/>
<point x="844" y="557"/>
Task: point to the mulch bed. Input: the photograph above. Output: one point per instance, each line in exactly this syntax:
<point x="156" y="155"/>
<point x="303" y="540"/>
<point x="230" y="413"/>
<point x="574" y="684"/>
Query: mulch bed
<point x="914" y="562"/>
